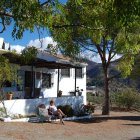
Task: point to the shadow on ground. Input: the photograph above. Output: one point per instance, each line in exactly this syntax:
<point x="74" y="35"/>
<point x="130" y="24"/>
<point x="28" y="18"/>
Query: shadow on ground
<point x="132" y="124"/>
<point x="106" y="118"/>
<point x="136" y="138"/>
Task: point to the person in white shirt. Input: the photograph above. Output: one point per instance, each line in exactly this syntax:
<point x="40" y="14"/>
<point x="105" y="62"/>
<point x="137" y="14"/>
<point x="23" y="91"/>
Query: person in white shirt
<point x="53" y="110"/>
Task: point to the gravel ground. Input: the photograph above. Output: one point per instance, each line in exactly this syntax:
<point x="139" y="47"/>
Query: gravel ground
<point x="117" y="126"/>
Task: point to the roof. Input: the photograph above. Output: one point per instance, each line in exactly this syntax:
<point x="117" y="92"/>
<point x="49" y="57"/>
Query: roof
<point x="44" y="59"/>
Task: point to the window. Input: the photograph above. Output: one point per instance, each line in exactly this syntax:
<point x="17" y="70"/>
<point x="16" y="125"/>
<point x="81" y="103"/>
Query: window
<point x="79" y="73"/>
<point x="46" y="80"/>
<point x="65" y="72"/>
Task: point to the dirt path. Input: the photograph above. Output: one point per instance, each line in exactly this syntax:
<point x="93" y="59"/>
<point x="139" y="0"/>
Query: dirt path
<point x="118" y="126"/>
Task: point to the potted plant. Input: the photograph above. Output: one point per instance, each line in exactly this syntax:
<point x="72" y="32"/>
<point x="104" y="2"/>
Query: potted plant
<point x="80" y="92"/>
<point x="9" y="95"/>
<point x="59" y="93"/>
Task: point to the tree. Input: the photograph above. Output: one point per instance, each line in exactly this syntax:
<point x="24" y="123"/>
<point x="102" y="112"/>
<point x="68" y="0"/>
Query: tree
<point x="27" y="14"/>
<point x="106" y="27"/>
<point x="135" y="74"/>
<point x="8" y="72"/>
<point x="29" y="55"/>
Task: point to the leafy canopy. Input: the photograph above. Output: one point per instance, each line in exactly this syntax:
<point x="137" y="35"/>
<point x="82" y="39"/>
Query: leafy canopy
<point x="8" y="71"/>
<point x="27" y="14"/>
<point x="106" y="27"/>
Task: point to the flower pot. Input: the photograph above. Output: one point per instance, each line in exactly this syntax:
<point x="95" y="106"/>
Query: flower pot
<point x="9" y="96"/>
<point x="59" y="93"/>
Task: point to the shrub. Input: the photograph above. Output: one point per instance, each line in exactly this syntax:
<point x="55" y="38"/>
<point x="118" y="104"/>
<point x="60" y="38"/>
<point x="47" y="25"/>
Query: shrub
<point x="127" y="98"/>
<point x="95" y="99"/>
<point x="67" y="109"/>
<point x="79" y="110"/>
<point x="2" y="112"/>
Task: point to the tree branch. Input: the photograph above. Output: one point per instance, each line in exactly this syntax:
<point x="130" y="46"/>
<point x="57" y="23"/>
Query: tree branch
<point x="41" y="41"/>
<point x="89" y="49"/>
<point x="100" y="52"/>
<point x="75" y="25"/>
<point x="46" y="2"/>
<point x="110" y="52"/>
<point x="3" y="24"/>
<point x="67" y="25"/>
<point x="6" y="14"/>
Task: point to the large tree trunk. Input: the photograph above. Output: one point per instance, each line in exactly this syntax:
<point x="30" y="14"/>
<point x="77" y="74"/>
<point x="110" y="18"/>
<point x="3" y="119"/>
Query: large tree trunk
<point x="106" y="105"/>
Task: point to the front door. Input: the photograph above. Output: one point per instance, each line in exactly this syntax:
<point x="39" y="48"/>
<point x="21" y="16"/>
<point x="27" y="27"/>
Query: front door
<point x="29" y="83"/>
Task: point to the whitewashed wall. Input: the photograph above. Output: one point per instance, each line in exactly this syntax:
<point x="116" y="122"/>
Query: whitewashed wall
<point x="29" y="106"/>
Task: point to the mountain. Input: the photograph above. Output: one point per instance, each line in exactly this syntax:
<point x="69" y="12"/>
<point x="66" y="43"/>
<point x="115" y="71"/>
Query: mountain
<point x="93" y="69"/>
<point x="94" y="73"/>
<point x="95" y="76"/>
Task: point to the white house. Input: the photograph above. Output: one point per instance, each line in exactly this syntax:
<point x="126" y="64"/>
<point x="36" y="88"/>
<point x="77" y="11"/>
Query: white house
<point x="43" y="80"/>
<point x="51" y="74"/>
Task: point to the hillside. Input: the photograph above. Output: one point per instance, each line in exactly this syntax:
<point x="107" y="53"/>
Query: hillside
<point x="95" y="76"/>
<point x="93" y="69"/>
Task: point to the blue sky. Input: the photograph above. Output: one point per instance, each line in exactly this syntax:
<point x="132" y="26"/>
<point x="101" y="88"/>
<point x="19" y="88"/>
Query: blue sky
<point x="27" y="37"/>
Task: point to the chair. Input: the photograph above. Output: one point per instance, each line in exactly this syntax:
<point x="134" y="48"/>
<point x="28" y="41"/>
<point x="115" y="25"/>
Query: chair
<point x="43" y="114"/>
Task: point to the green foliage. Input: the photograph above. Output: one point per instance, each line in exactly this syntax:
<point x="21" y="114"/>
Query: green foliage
<point x="5" y="70"/>
<point x="67" y="109"/>
<point x="127" y="98"/>
<point x="126" y="65"/>
<point x="87" y="25"/>
<point x="96" y="100"/>
<point x="27" y="14"/>
<point x="1" y="109"/>
<point x="10" y="92"/>
<point x="28" y="55"/>
<point x="136" y="69"/>
<point x="2" y="112"/>
<point x="100" y="27"/>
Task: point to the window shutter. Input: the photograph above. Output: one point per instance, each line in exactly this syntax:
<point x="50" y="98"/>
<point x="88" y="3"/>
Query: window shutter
<point x="70" y="72"/>
<point x="82" y="72"/>
<point x="52" y="80"/>
<point x="74" y="73"/>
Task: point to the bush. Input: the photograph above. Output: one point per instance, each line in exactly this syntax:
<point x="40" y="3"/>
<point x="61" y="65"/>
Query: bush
<point x="67" y="109"/>
<point x="79" y="110"/>
<point x="2" y="112"/>
<point x="127" y="98"/>
<point x="95" y="99"/>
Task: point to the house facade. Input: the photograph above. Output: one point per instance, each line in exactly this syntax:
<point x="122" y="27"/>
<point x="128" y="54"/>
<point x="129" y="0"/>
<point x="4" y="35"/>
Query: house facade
<point x="48" y="76"/>
<point x="49" y="81"/>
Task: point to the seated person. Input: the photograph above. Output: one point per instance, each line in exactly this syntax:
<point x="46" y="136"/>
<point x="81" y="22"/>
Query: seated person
<point x="53" y="110"/>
